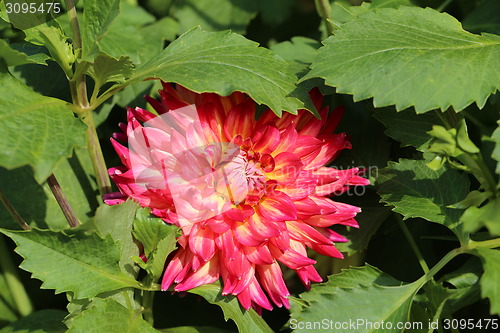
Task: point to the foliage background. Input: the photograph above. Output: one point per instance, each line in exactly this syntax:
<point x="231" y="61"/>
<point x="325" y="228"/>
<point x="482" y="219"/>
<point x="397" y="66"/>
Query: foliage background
<point x="416" y="88"/>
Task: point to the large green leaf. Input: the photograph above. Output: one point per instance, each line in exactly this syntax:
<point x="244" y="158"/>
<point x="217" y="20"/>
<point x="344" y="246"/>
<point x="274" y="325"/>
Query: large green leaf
<point x="489" y="281"/>
<point x="410" y="57"/>
<point x="247" y="321"/>
<point x="417" y="191"/>
<point x="226" y="14"/>
<point x="43" y="321"/>
<point x="158" y="239"/>
<point x="106" y="315"/>
<point x="98" y="16"/>
<point x="224" y="62"/>
<point x="408" y="127"/>
<point x="379" y="297"/>
<point x="36" y="130"/>
<point x="83" y="264"/>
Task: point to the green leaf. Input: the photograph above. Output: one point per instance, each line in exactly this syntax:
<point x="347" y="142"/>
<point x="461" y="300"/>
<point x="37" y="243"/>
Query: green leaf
<point x="108" y="69"/>
<point x="408" y="127"/>
<point x="116" y="221"/>
<point x="299" y="53"/>
<point x="247" y="321"/>
<point x="13" y="57"/>
<point x="489" y="281"/>
<point x="224" y="62"/>
<point x="496" y="151"/>
<point x="339" y="300"/>
<point x="158" y="239"/>
<point x="83" y="264"/>
<point x="385" y="54"/>
<point x="105" y="315"/>
<point x="487" y="215"/>
<point x="226" y="14"/>
<point x="43" y="321"/>
<point x="36" y="130"/>
<point x="484" y="18"/>
<point x="98" y="16"/>
<point x="417" y="191"/>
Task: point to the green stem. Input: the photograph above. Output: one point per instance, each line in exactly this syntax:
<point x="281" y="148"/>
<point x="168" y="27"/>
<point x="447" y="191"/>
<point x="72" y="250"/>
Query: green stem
<point x="324" y="10"/>
<point x="78" y="88"/>
<point x="489" y="244"/>
<point x="413" y="245"/>
<point x="147" y="305"/>
<point x="75" y="27"/>
<point x="443" y="119"/>
<point x="445" y="260"/>
<point x="96" y="155"/>
<point x="63" y="201"/>
<point x="15" y="215"/>
<point x="14" y="285"/>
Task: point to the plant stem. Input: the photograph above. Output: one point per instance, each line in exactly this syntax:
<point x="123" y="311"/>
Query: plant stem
<point x="96" y="155"/>
<point x="14" y="285"/>
<point x="413" y="245"/>
<point x="147" y="304"/>
<point x="78" y="89"/>
<point x="324" y="10"/>
<point x="13" y="212"/>
<point x="490" y="244"/>
<point x="445" y="260"/>
<point x="73" y="22"/>
<point x="63" y="201"/>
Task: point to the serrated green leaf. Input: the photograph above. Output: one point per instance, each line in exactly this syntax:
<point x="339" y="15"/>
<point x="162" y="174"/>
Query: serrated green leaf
<point x="385" y="54"/>
<point x="158" y="239"/>
<point x="13" y="57"/>
<point x="490" y="287"/>
<point x="227" y="14"/>
<point x="408" y="127"/>
<point x="474" y="198"/>
<point x="247" y="321"/>
<point x="339" y="301"/>
<point x="496" y="151"/>
<point x="43" y="321"/>
<point x="83" y="264"/>
<point x="116" y="221"/>
<point x="224" y="62"/>
<point x="484" y="18"/>
<point x="417" y="191"/>
<point x="98" y="16"/>
<point x="116" y="319"/>
<point x="36" y="130"/>
<point x="299" y="53"/>
<point x="108" y="69"/>
<point x="487" y="215"/>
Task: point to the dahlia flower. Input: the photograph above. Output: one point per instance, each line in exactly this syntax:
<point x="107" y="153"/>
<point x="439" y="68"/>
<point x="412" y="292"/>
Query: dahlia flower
<point x="247" y="194"/>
